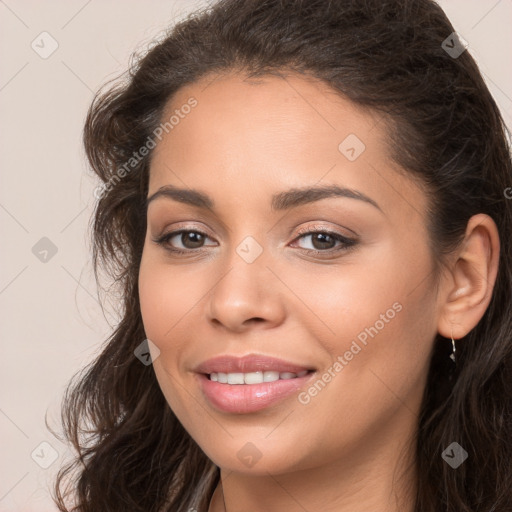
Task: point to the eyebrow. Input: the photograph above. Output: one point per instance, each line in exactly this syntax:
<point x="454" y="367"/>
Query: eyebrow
<point x="285" y="200"/>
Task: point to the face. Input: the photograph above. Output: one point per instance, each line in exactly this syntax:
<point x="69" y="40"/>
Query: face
<point x="337" y="282"/>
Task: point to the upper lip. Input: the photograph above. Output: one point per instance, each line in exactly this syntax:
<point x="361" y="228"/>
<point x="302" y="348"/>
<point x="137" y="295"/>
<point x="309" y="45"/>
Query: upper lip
<point x="248" y="363"/>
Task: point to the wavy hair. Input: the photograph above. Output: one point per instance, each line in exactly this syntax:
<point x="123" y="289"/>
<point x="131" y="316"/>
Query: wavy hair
<point x="443" y="128"/>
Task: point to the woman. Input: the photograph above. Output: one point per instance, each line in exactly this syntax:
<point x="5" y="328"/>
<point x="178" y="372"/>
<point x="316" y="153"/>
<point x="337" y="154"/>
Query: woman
<point x="305" y="207"/>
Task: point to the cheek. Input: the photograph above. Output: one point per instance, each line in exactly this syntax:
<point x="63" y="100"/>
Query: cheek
<point x="164" y="302"/>
<point x="359" y="300"/>
<point x="378" y="325"/>
<point x="170" y="298"/>
<point x="379" y="363"/>
<point x="166" y="294"/>
<point x="154" y="302"/>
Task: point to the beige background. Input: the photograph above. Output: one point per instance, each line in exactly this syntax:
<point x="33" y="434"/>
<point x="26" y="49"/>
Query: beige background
<point x="51" y="322"/>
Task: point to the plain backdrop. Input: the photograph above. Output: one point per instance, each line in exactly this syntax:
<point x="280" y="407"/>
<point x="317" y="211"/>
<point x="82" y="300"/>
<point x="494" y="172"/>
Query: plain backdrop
<point x="54" y="56"/>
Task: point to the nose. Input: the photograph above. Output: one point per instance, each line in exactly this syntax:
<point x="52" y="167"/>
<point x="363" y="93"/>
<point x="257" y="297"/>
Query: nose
<point x="246" y="296"/>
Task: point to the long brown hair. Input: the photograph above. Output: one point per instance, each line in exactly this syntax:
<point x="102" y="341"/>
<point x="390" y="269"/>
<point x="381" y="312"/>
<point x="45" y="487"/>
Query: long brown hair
<point x="443" y="128"/>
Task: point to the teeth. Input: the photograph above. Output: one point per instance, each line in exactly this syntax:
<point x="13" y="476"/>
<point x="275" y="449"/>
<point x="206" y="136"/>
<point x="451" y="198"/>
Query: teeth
<point x="270" y="376"/>
<point x="253" y="377"/>
<point x="235" y="378"/>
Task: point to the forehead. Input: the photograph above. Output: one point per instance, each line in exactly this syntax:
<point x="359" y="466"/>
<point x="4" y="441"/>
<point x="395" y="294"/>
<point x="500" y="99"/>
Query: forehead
<point x="267" y="116"/>
<point x="271" y="133"/>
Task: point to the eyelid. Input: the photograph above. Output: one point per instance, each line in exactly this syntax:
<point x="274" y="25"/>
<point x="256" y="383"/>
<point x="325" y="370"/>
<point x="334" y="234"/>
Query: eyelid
<point x="185" y="227"/>
<point x="324" y="229"/>
<point x="347" y="242"/>
<point x="166" y="236"/>
<point x="301" y="231"/>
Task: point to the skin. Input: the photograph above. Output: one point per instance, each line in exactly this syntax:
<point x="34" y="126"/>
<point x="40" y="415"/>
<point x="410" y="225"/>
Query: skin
<point x="351" y="447"/>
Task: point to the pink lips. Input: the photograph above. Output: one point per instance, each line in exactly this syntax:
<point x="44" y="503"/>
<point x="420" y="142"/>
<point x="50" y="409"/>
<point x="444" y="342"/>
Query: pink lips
<point x="250" y="363"/>
<point x="247" y="398"/>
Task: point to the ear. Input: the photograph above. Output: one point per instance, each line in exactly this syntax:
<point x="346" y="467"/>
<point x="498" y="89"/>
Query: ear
<point x="468" y="284"/>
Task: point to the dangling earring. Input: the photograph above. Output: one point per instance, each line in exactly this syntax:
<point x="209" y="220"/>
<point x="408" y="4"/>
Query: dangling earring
<point x="452" y="356"/>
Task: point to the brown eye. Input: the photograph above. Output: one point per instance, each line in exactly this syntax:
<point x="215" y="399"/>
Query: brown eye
<point x="191" y="239"/>
<point x="324" y="241"/>
<point x="183" y="240"/>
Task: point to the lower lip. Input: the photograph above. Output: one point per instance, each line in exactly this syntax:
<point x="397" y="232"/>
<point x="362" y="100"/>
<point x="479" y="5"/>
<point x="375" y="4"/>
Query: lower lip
<point x="246" y="398"/>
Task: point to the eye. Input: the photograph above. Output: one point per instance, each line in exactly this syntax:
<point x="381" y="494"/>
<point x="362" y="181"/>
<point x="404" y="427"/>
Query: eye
<point x="322" y="241"/>
<point x="189" y="240"/>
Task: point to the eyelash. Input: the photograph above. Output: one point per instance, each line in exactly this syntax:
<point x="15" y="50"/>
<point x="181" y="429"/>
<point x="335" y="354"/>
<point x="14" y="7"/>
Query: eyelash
<point x="347" y="243"/>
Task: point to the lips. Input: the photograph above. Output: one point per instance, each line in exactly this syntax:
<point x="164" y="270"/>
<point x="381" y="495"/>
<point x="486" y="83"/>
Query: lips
<point x="248" y="384"/>
<point x="249" y="363"/>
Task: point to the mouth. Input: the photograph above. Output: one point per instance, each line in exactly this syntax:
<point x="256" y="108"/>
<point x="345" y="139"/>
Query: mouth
<point x="241" y="398"/>
<point x="252" y="378"/>
<point x="254" y="366"/>
<point x="247" y="384"/>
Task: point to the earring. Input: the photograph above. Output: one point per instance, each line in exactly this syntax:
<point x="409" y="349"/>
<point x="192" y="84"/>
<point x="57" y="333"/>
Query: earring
<point x="452" y="356"/>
